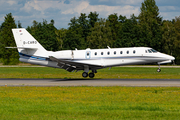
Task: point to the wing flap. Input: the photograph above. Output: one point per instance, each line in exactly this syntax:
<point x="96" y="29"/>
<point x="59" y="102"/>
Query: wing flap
<point x="63" y="65"/>
<point x="72" y="65"/>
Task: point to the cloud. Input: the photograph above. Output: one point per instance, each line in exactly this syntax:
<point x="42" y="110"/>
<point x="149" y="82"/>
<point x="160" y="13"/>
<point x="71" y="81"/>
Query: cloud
<point x="167" y="2"/>
<point x="169" y="8"/>
<point x="169" y="15"/>
<point x="116" y="2"/>
<point x="63" y="10"/>
<point x="103" y="10"/>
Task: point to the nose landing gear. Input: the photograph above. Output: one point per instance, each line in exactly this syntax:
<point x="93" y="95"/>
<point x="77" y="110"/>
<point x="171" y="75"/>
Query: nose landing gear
<point x="159" y="69"/>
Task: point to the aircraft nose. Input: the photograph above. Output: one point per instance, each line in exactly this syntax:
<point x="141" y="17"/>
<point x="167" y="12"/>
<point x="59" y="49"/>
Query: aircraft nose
<point x="172" y="58"/>
<point x="169" y="57"/>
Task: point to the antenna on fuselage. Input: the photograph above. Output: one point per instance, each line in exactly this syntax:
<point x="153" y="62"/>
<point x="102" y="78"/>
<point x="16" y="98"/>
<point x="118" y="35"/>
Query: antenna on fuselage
<point x="108" y="47"/>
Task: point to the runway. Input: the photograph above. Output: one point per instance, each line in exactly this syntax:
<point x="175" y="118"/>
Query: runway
<point x="91" y="82"/>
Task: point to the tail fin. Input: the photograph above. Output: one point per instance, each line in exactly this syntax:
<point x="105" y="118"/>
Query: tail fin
<point x="26" y="43"/>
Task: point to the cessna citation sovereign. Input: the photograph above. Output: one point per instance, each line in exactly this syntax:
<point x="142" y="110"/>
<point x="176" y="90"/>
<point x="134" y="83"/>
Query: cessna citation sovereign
<point x="30" y="51"/>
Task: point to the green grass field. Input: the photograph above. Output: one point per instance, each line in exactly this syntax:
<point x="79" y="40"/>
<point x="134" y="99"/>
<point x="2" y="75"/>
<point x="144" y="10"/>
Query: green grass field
<point x="76" y="103"/>
<point x="115" y="72"/>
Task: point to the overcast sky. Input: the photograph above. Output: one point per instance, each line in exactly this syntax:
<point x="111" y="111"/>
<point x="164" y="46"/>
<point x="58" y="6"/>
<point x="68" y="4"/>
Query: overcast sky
<point x="61" y="11"/>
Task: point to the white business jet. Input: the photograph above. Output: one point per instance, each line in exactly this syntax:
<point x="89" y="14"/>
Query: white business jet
<point x="30" y="51"/>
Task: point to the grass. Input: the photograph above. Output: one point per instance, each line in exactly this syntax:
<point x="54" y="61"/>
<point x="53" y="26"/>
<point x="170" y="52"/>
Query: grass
<point x="115" y="72"/>
<point x="70" y="103"/>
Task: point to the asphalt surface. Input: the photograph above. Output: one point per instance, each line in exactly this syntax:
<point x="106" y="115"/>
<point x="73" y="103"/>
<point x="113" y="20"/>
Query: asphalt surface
<point x="90" y="82"/>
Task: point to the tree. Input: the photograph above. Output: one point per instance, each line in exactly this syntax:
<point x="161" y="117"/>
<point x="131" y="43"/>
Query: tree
<point x="83" y="29"/>
<point x="119" y="42"/>
<point x="19" y="24"/>
<point x="168" y="37"/>
<point x="74" y="37"/>
<point x="1" y="45"/>
<point x="177" y="40"/>
<point x="101" y="35"/>
<point x="127" y="32"/>
<point x="9" y="56"/>
<point x="61" y="36"/>
<point x="93" y="18"/>
<point x="114" y="24"/>
<point x="150" y="23"/>
<point x="135" y="32"/>
<point x="45" y="34"/>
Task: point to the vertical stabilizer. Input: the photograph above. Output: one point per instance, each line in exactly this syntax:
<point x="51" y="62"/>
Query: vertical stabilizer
<point x="26" y="43"/>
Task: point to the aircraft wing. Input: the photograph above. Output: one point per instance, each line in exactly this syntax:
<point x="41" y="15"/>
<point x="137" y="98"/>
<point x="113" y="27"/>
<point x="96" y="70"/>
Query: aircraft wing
<point x="72" y="65"/>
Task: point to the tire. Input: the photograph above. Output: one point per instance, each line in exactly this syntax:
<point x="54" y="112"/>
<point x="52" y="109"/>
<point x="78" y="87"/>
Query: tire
<point x="91" y="75"/>
<point x="158" y="70"/>
<point x="84" y="74"/>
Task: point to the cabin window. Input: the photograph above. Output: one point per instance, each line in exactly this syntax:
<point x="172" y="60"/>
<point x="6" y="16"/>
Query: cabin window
<point x="127" y="52"/>
<point x="121" y="52"/>
<point x="108" y="53"/>
<point x="95" y="53"/>
<point x="114" y="52"/>
<point x="134" y="51"/>
<point x="146" y="51"/>
<point x="87" y="53"/>
<point x="101" y="53"/>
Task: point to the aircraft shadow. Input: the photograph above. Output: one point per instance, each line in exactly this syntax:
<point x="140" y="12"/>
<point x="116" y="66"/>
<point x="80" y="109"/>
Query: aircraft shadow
<point x="82" y="79"/>
<point x="77" y="79"/>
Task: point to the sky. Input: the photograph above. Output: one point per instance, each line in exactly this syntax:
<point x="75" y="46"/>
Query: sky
<point x="61" y="11"/>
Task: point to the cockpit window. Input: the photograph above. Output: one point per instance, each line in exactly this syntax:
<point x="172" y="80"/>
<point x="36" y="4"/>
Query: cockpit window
<point x="151" y="51"/>
<point x="154" y="51"/>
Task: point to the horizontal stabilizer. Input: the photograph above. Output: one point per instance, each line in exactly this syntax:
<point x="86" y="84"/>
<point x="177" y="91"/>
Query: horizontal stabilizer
<point x="22" y="47"/>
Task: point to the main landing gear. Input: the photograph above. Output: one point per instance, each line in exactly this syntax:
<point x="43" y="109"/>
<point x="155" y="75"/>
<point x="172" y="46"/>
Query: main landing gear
<point x="85" y="74"/>
<point x="159" y="69"/>
<point x="91" y="74"/>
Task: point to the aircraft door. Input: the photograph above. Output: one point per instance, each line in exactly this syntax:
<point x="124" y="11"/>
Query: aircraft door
<point x="88" y="54"/>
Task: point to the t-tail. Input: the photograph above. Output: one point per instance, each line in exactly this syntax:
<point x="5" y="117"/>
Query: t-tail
<point x="30" y="50"/>
<point x="26" y="43"/>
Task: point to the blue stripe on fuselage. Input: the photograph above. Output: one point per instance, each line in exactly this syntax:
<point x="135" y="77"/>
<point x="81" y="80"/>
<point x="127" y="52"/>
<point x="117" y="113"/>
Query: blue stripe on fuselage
<point x="22" y="55"/>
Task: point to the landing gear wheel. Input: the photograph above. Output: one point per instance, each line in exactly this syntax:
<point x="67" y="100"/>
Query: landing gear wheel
<point x="84" y="74"/>
<point x="158" y="70"/>
<point x="91" y="75"/>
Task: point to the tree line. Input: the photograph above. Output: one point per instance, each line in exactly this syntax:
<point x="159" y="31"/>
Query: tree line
<point x="148" y="29"/>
